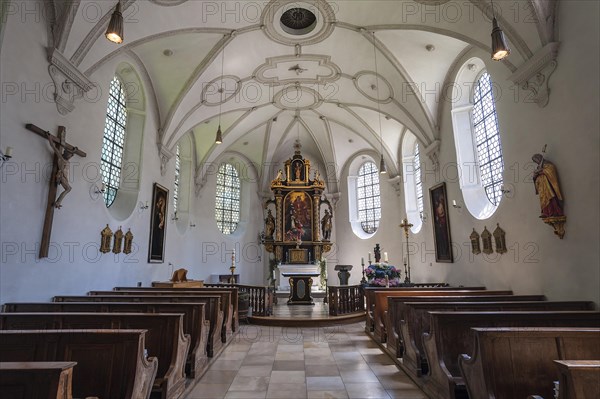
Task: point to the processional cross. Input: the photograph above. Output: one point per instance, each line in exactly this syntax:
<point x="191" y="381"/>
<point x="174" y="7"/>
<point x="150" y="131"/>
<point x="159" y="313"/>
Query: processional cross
<point x="63" y="151"/>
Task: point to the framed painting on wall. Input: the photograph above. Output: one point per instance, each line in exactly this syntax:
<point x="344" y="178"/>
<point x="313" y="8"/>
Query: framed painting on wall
<point x="441" y="223"/>
<point x="158" y="224"/>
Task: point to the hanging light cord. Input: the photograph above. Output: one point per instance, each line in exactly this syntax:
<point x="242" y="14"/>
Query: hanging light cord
<point x="377" y="88"/>
<point x="221" y="90"/>
<point x="492" y="5"/>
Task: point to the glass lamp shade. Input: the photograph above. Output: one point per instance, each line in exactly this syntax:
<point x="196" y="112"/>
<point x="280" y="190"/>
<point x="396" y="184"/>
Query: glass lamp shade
<point x="500" y="49"/>
<point x="219" y="138"/>
<point x="114" y="32"/>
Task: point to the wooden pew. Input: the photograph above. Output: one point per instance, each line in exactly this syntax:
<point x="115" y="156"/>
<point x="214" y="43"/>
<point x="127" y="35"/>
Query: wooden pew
<point x="395" y="346"/>
<point x="110" y="363"/>
<point x="213" y="309"/>
<point x="164" y="338"/>
<point x="511" y="363"/>
<point x="451" y="335"/>
<point x="233" y="315"/>
<point x="370" y="298"/>
<point x="381" y="303"/>
<point x="579" y="379"/>
<point x="226" y="305"/>
<point x="36" y="380"/>
<point x="416" y="322"/>
<point x="194" y="322"/>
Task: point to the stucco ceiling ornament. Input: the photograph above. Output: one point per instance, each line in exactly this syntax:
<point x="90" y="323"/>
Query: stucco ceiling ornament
<point x="322" y="27"/>
<point x="297" y="98"/>
<point x="315" y="69"/>
<point x="168" y="3"/>
<point x="366" y="83"/>
<point x="211" y="94"/>
<point x="534" y="74"/>
<point x="69" y="83"/>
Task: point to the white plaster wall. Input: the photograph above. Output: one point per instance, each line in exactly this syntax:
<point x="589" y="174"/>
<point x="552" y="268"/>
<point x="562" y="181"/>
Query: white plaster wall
<point x="74" y="265"/>
<point x="537" y="261"/>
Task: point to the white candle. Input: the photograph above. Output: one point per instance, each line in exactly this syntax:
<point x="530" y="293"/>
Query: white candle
<point x="369" y="256"/>
<point x="8" y="152"/>
<point x="454" y="203"/>
<point x="385" y="257"/>
<point x="405" y="260"/>
<point x="362" y="261"/>
<point x="146" y="204"/>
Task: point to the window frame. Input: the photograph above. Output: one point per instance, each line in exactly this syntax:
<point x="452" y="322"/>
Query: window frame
<point x="109" y="142"/>
<point x="221" y="210"/>
<point x="353" y="197"/>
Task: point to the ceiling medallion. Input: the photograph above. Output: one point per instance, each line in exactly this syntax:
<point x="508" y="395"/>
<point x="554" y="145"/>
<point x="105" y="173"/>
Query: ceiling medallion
<point x="432" y="2"/>
<point x="308" y="68"/>
<point x="298" y="21"/>
<point x="301" y="22"/>
<point x="366" y="83"/>
<point x="211" y="94"/>
<point x="168" y="3"/>
<point x="295" y="97"/>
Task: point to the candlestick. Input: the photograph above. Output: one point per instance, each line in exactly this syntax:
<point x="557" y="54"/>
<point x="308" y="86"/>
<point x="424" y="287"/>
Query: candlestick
<point x="369" y="256"/>
<point x="362" y="261"/>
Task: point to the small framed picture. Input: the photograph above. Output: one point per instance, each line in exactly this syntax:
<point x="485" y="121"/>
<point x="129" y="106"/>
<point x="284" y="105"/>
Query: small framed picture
<point x="158" y="224"/>
<point x="441" y="223"/>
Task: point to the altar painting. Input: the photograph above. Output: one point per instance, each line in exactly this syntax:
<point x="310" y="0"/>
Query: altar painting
<point x="297" y="216"/>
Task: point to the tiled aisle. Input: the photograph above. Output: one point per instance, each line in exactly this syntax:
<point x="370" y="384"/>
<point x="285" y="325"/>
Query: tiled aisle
<point x="289" y="363"/>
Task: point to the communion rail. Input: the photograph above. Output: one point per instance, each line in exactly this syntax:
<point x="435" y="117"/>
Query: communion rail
<point x="346" y="299"/>
<point x="260" y="298"/>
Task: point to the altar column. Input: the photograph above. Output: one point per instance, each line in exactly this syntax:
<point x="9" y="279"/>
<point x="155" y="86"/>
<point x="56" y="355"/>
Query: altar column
<point x="316" y="217"/>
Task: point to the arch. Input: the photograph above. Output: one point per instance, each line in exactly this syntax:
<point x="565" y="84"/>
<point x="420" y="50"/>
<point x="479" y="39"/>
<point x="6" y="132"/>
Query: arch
<point x="413" y="187"/>
<point x="478" y="146"/>
<point x="128" y="181"/>
<point x="364" y="195"/>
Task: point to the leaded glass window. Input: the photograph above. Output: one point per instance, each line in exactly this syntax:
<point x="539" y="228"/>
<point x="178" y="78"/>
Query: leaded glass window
<point x="487" y="139"/>
<point x="418" y="183"/>
<point x="368" y="196"/>
<point x="176" y="183"/>
<point x="227" y="206"/>
<point x="111" y="159"/>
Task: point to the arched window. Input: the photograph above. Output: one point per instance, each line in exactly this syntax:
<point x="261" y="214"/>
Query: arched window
<point x="227" y="206"/>
<point x="176" y="183"/>
<point x="368" y="197"/>
<point x="477" y="139"/>
<point x="418" y="183"/>
<point x="413" y="186"/>
<point x="111" y="159"/>
<point x="487" y="138"/>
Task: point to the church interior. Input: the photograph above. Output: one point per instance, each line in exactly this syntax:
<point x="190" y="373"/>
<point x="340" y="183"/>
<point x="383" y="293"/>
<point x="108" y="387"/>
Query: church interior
<point x="301" y="195"/>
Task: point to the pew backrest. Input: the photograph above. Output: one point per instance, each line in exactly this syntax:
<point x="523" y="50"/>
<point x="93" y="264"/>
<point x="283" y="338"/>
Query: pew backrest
<point x="36" y="380"/>
<point x="110" y="363"/>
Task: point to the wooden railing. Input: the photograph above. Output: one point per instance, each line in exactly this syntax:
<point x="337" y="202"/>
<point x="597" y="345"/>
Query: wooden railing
<point x="260" y="298"/>
<point x="346" y="299"/>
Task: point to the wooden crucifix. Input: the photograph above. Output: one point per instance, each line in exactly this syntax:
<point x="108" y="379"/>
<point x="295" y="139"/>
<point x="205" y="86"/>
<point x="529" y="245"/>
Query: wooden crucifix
<point x="63" y="152"/>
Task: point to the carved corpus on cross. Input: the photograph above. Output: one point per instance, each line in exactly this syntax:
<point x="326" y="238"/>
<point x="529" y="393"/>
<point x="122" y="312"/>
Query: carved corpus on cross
<point x="63" y="151"/>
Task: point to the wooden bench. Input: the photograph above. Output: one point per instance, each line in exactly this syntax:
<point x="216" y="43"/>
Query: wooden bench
<point x="381" y="304"/>
<point x="36" y="380"/>
<point x="110" y="363"/>
<point x="509" y="363"/>
<point x="232" y="319"/>
<point x="370" y="297"/>
<point x="579" y="379"/>
<point x="451" y="335"/>
<point x="213" y="310"/>
<point x="394" y="344"/>
<point x="164" y="338"/>
<point x="194" y="322"/>
<point x="416" y="322"/>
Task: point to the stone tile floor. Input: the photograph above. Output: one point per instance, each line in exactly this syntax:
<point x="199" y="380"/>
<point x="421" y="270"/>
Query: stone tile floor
<point x="289" y="363"/>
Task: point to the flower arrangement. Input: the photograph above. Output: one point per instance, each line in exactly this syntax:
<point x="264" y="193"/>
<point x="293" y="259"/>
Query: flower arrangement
<point x="377" y="272"/>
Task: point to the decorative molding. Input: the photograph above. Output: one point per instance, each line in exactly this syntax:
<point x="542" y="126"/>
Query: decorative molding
<point x="307" y="71"/>
<point x="433" y="152"/>
<point x="534" y="74"/>
<point x="222" y="80"/>
<point x="69" y="82"/>
<point x="303" y="98"/>
<point x="360" y="80"/>
<point x="165" y="155"/>
<point x="168" y="3"/>
<point x="270" y="24"/>
<point x="63" y="23"/>
<point x="396" y="183"/>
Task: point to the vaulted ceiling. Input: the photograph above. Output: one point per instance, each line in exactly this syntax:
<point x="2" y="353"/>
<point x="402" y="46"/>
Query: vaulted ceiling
<point x="280" y="85"/>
